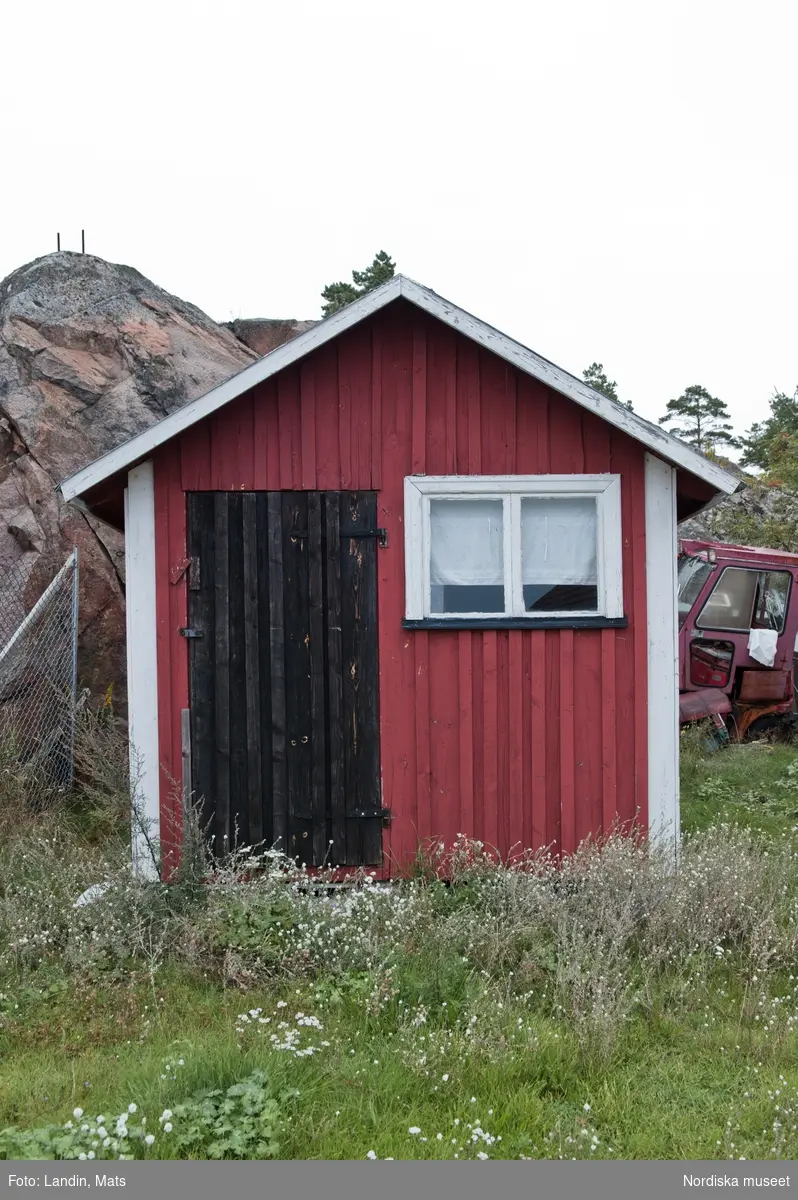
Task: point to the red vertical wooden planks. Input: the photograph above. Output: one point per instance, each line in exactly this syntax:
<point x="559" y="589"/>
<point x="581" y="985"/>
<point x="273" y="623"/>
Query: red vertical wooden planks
<point x="288" y="428"/>
<point x="328" y="390"/>
<point x="640" y="636"/>
<point x="627" y="460"/>
<point x="195" y="458"/>
<point x="508" y="739"/>
<point x="441" y="410"/>
<point x="418" y="460"/>
<point x="490" y="738"/>
<point x="567" y="763"/>
<point x="444" y="725"/>
<point x="422" y="735"/>
<point x="171" y="605"/>
<point x="516" y="739"/>
<point x="496" y="413"/>
<point x="266" y="450"/>
<point x="360" y="408"/>
<point x="553" y="722"/>
<point x="609" y="731"/>
<point x="307" y="415"/>
<point x="465" y="685"/>
<point x="597" y="734"/>
<point x="376" y="407"/>
<point x="419" y="428"/>
<point x="397" y="649"/>
<point x="587" y="732"/>
<point x="538" y="692"/>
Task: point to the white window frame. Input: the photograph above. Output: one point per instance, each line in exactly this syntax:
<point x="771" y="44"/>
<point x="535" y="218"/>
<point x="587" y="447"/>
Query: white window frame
<point x="511" y="489"/>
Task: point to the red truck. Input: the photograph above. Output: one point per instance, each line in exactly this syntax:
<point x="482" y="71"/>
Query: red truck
<point x="737" y="637"/>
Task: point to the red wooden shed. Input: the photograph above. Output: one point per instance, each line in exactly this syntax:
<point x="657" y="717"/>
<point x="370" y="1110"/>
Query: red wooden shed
<point x="402" y="578"/>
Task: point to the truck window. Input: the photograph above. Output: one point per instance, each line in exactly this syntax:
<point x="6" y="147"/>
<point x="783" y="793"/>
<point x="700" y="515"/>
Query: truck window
<point x="693" y="574"/>
<point x="770" y="610"/>
<point x="731" y="602"/>
<point x="744" y="599"/>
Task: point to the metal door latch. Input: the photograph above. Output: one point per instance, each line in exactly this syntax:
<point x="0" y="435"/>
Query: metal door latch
<point x="191" y="633"/>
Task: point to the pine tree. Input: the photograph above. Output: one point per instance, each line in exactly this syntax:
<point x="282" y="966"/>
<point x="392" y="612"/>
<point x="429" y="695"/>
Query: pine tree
<point x="338" y="295"/>
<point x="767" y="442"/>
<point x="595" y="376"/>
<point x="700" y="419"/>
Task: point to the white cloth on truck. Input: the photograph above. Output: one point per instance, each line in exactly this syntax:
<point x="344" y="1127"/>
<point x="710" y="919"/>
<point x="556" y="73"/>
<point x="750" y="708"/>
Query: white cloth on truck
<point x="762" y="646"/>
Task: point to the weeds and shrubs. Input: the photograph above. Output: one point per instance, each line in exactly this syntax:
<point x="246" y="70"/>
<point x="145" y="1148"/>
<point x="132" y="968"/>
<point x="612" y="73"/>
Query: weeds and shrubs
<point x="238" y="1122"/>
<point x="431" y="966"/>
<point x="590" y="938"/>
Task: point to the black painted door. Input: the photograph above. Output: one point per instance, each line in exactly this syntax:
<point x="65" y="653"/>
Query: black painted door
<point x="284" y="672"/>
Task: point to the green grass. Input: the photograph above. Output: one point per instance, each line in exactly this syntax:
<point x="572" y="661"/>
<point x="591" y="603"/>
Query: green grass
<point x="688" y="1075"/>
<point x="741" y="784"/>
<point x="685" y="1078"/>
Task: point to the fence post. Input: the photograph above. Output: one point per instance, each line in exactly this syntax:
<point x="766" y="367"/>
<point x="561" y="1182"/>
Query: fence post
<point x="74" y="696"/>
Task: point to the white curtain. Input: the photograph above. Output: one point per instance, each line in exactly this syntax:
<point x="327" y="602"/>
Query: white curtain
<point x="466" y="542"/>
<point x="558" y="541"/>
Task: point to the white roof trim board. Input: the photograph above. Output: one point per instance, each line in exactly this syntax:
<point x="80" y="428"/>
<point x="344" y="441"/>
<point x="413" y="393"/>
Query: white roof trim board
<point x="652" y="436"/>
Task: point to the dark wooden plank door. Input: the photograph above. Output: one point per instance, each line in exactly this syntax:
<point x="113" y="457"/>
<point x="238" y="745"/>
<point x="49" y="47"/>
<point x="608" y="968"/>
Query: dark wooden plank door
<point x="284" y="672"/>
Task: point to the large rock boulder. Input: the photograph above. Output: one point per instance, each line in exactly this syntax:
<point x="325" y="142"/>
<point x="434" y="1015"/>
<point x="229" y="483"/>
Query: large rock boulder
<point x="757" y="516"/>
<point x="264" y="334"/>
<point x="91" y="353"/>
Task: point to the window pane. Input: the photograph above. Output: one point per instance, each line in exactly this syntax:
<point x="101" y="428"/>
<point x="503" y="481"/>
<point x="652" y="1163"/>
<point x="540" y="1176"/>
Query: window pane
<point x="693" y="574"/>
<point x="771" y="600"/>
<point x="731" y="602"/>
<point x="558" y="554"/>
<point x="467" y="556"/>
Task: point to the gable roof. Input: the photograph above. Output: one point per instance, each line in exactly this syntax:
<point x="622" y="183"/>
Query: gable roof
<point x="655" y="438"/>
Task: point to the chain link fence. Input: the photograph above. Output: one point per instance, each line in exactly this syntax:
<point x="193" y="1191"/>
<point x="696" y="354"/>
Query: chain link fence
<point x="38" y="673"/>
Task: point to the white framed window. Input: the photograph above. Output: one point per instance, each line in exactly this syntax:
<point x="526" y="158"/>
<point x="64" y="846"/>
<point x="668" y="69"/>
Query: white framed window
<point x="513" y="548"/>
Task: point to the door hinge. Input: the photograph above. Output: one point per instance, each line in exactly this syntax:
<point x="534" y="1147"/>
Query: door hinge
<point x="373" y="814"/>
<point x="191" y="633"/>
<point x="380" y="534"/>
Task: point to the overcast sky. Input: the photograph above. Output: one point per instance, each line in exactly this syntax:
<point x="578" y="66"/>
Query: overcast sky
<point x="603" y="181"/>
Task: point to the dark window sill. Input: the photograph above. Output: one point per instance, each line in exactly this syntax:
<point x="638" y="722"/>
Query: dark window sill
<point x="541" y="622"/>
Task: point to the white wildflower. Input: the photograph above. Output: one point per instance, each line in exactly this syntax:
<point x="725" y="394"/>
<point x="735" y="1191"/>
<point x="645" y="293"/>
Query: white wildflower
<point x="150" y="1138"/>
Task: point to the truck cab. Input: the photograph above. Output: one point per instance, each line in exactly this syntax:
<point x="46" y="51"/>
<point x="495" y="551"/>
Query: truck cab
<point x="738" y="624"/>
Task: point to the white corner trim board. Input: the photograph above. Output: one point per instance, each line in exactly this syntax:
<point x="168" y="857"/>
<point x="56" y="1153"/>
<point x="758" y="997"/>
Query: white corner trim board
<point x="142" y="666"/>
<point x="652" y="436"/>
<point x="663" y="653"/>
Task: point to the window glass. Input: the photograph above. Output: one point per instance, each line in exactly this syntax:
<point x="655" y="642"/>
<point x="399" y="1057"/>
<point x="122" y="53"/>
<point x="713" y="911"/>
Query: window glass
<point x="693" y="573"/>
<point x="558" y="554"/>
<point x="771" y="600"/>
<point x="731" y="601"/>
<point x="467" y="556"/>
